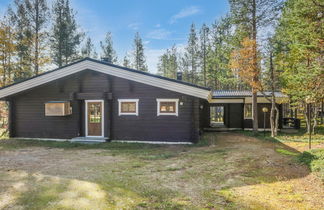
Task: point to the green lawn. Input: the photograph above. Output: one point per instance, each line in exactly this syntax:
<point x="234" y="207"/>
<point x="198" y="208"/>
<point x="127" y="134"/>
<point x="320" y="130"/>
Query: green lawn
<point x="224" y="171"/>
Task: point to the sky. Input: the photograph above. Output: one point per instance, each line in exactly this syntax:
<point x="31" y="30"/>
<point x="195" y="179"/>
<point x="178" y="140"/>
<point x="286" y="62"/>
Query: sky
<point x="161" y="23"/>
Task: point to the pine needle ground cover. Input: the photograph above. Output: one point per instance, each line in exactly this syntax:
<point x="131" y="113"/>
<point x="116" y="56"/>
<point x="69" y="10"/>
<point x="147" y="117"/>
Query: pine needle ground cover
<point x="225" y="170"/>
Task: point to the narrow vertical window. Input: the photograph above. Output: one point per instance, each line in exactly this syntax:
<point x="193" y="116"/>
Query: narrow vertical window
<point x="248" y="111"/>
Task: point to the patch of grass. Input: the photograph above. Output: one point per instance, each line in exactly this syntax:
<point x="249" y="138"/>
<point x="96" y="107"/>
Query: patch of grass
<point x="215" y="174"/>
<point x="160" y="156"/>
<point x="314" y="159"/>
<point x="300" y="136"/>
<point x="286" y="152"/>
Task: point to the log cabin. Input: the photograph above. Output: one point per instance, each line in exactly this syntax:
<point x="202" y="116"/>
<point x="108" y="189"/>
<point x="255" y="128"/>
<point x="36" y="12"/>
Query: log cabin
<point x="94" y="100"/>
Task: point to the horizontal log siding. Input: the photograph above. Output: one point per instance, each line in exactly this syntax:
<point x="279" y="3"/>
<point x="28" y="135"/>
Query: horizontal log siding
<point x="30" y="120"/>
<point x="147" y="125"/>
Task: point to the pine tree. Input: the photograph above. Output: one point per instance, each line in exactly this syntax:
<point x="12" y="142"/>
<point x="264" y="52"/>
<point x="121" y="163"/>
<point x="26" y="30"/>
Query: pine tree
<point x="126" y="61"/>
<point x="168" y="63"/>
<point x="24" y="42"/>
<point x="219" y="75"/>
<point x="250" y="16"/>
<point x="204" y="42"/>
<point x="139" y="62"/>
<point x="65" y="37"/>
<point x="88" y="49"/>
<point x="7" y="48"/>
<point x="107" y="48"/>
<point x="191" y="57"/>
<point x="38" y="16"/>
<point x="299" y="52"/>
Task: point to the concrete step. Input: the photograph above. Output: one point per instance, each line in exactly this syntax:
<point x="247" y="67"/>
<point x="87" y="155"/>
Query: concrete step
<point x="89" y="140"/>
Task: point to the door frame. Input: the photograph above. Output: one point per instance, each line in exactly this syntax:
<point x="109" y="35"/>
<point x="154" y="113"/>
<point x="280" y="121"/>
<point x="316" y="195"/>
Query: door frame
<point x="102" y="117"/>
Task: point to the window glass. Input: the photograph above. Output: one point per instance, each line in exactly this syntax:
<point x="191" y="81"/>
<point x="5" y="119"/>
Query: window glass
<point x="248" y="111"/>
<point x="95" y="112"/>
<point x="167" y="107"/>
<point x="128" y="107"/>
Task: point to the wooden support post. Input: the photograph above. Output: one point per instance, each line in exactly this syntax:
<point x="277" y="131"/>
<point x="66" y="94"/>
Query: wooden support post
<point x="243" y="115"/>
<point x="11" y="118"/>
<point x="109" y="108"/>
<point x="195" y="120"/>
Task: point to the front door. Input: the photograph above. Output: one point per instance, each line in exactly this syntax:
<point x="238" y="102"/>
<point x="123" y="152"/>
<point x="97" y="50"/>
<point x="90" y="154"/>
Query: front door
<point x="94" y="118"/>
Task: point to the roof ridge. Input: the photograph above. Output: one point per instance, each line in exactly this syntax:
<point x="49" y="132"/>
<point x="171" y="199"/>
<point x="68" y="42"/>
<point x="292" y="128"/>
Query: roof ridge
<point x="109" y="64"/>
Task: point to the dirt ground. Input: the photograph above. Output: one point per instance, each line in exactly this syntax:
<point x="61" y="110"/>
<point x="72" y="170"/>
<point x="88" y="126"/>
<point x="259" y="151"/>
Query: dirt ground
<point x="232" y="171"/>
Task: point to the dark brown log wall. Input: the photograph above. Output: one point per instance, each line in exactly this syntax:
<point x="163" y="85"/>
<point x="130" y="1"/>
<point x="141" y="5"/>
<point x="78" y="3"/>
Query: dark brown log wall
<point x="30" y="120"/>
<point x="234" y="115"/>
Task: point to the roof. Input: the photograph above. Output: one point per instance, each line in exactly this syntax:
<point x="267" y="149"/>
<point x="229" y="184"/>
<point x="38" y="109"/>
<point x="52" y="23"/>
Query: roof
<point x="106" y="68"/>
<point x="242" y="94"/>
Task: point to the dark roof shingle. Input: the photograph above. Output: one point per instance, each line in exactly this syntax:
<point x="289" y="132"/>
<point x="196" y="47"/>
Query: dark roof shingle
<point x="241" y="94"/>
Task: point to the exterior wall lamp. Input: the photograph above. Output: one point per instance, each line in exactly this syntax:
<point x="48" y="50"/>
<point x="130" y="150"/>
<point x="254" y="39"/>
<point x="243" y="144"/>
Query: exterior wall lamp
<point x="264" y="110"/>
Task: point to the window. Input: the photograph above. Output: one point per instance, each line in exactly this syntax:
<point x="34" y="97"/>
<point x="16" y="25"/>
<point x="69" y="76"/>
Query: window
<point x="247" y="111"/>
<point x="167" y="107"/>
<point x="94" y="112"/>
<point x="58" y="108"/>
<point x="128" y="106"/>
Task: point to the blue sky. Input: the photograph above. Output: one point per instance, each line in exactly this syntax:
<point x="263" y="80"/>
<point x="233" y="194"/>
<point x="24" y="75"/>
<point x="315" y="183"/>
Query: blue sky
<point x="161" y="23"/>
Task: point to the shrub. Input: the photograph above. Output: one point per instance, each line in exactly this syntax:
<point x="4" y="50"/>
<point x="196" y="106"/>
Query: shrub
<point x="314" y="159"/>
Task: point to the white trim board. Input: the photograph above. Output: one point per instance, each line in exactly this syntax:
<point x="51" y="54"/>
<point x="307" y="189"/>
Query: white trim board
<point x="40" y="139"/>
<point x="127" y="113"/>
<point x="153" y="142"/>
<point x="102" y="117"/>
<point x="106" y="69"/>
<point x="176" y="100"/>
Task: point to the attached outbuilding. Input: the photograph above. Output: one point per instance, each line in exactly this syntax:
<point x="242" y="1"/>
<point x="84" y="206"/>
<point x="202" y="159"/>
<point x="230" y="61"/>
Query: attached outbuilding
<point x="232" y="110"/>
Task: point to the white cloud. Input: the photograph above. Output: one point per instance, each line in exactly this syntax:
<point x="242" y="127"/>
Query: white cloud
<point x="146" y="42"/>
<point x="134" y="26"/>
<point x="159" y="34"/>
<point x="186" y="12"/>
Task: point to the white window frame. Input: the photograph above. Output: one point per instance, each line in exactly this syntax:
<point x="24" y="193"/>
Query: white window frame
<point x="127" y="100"/>
<point x="158" y="100"/>
<point x="248" y="118"/>
<point x="102" y="117"/>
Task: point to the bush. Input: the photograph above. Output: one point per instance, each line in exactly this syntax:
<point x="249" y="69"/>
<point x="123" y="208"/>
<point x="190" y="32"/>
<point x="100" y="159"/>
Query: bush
<point x="314" y="159"/>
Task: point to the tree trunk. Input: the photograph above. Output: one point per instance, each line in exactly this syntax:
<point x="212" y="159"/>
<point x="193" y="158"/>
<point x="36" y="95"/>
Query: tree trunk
<point x="315" y="115"/>
<point x="272" y="120"/>
<point x="306" y="114"/>
<point x="37" y="38"/>
<point x="255" y="110"/>
<point x="277" y="121"/>
<point x="322" y="111"/>
<point x="255" y="63"/>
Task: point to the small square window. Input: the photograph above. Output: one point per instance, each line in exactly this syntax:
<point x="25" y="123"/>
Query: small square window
<point x="167" y="106"/>
<point x="128" y="106"/>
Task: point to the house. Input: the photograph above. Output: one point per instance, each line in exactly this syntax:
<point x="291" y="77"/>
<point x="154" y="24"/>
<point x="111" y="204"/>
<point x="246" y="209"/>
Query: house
<point x="96" y="100"/>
